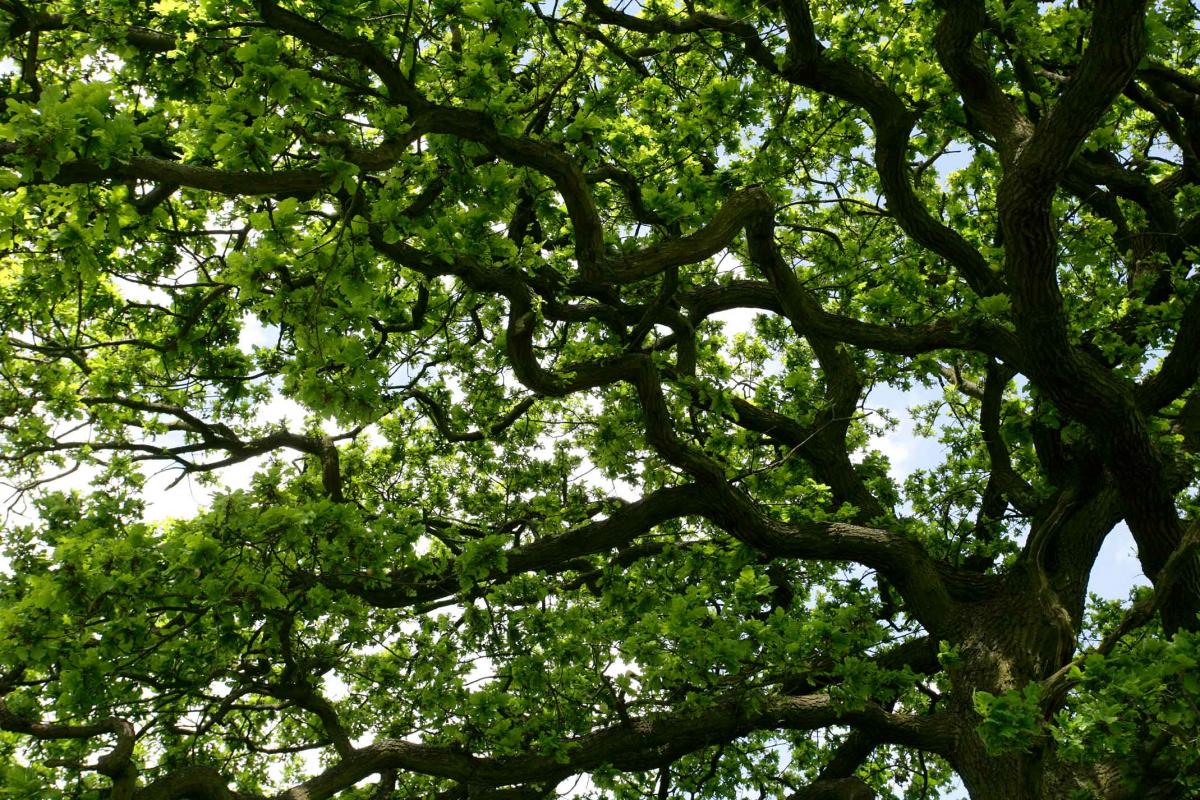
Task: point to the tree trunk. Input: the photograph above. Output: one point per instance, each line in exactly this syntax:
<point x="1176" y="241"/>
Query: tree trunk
<point x="1019" y="635"/>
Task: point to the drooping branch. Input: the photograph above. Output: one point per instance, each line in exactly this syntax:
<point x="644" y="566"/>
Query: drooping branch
<point x="823" y="443"/>
<point x="295" y="685"/>
<point x="219" y="436"/>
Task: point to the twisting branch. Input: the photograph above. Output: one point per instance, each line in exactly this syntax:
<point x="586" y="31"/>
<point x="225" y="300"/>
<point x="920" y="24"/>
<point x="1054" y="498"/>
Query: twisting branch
<point x="399" y="86"/>
<point x="704" y="243"/>
<point x="974" y="77"/>
<point x="437" y="413"/>
<point x="1076" y="382"/>
<point x="116" y="763"/>
<point x="891" y="121"/>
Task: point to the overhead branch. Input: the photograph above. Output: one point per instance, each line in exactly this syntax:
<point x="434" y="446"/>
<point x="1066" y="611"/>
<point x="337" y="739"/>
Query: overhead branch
<point x="1076" y="382"/>
<point x="30" y="21"/>
<point x="218" y="436"/>
<point x="437" y="413"/>
<point x="803" y="46"/>
<point x="924" y="584"/>
<point x="739" y="30"/>
<point x="942" y="334"/>
<point x="278" y="183"/>
<point x="975" y="78"/>
<point x="798" y="304"/>
<point x="639" y="744"/>
<point x="828" y="456"/>
<point x="400" y="87"/>
<point x="713" y="237"/>
<point x="891" y="121"/>
<point x="550" y="554"/>
<point x="116" y="763"/>
<point x="469" y="125"/>
<point x="1116" y="43"/>
<point x="630" y="185"/>
<point x="636" y="743"/>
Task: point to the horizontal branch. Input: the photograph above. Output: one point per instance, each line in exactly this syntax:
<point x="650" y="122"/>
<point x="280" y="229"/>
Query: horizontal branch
<point x="30" y="21"/>
<point x="797" y="303"/>
<point x="113" y="763"/>
<point x="550" y="554"/>
<point x="636" y="745"/>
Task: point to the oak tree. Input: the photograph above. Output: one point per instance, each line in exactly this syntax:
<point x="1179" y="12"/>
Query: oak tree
<point x="553" y="522"/>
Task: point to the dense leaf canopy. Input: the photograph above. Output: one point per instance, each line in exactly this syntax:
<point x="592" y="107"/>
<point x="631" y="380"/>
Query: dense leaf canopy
<point x="585" y="305"/>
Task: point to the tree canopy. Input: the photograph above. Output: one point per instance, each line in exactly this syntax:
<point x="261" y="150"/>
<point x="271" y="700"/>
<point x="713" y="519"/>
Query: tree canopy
<point x="554" y="523"/>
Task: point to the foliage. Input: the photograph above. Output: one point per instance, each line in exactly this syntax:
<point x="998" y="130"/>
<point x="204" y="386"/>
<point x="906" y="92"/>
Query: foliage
<point x="586" y="312"/>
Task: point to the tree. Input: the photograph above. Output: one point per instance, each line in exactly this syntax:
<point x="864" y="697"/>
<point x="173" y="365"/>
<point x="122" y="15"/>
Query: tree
<point x="549" y="515"/>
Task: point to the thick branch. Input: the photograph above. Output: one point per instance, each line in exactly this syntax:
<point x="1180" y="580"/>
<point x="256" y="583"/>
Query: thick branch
<point x="115" y="763"/>
<point x="704" y="243"/>
<point x="640" y="744"/>
<point x="975" y="77"/>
